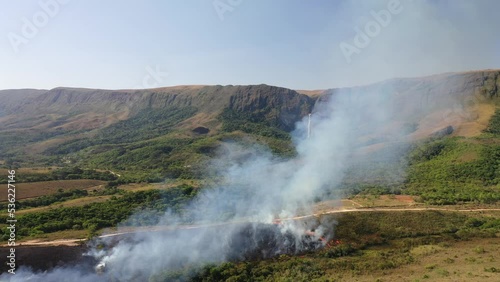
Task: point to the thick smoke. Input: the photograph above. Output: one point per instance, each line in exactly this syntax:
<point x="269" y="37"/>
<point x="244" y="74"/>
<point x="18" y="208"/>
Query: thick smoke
<point x="254" y="189"/>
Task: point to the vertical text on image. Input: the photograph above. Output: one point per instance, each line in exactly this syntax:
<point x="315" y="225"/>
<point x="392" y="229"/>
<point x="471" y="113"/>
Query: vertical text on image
<point x="11" y="220"/>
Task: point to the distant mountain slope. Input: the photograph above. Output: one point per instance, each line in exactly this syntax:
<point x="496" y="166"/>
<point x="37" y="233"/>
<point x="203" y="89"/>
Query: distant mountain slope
<point x="108" y="128"/>
<point x="171" y="128"/>
<point x="10" y="100"/>
<point x="465" y="100"/>
<point x="285" y="106"/>
<point x="67" y="104"/>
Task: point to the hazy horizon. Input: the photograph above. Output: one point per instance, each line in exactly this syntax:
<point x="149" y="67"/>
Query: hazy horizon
<point x="90" y="44"/>
<point x="317" y="89"/>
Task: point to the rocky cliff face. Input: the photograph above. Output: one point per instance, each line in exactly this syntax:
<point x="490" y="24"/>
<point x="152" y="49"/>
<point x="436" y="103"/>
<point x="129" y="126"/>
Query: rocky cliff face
<point x="412" y="98"/>
<point x="63" y="121"/>
<point x="283" y="105"/>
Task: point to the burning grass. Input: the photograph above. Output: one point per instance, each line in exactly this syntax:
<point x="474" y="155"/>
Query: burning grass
<point x="368" y="246"/>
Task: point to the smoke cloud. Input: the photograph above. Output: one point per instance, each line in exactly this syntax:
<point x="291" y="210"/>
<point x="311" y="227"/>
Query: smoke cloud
<point x="253" y="189"/>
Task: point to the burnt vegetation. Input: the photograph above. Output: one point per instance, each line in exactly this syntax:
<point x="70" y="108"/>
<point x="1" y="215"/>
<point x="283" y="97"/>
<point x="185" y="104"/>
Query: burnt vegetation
<point x="364" y="243"/>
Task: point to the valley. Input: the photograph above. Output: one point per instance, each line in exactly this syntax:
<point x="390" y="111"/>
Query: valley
<point x="418" y="196"/>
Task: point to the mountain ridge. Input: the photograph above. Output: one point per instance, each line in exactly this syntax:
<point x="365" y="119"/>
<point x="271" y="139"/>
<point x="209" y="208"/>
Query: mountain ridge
<point x="75" y="123"/>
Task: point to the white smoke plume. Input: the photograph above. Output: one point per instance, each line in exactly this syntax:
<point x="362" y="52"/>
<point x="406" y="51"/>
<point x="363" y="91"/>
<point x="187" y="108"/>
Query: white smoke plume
<point x="255" y="188"/>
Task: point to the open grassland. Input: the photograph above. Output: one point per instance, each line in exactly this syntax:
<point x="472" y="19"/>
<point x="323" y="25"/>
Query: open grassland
<point x="384" y="201"/>
<point x="105" y="212"/>
<point x="474" y="260"/>
<point x="57" y="238"/>
<point x="69" y="203"/>
<point x="367" y="201"/>
<point x="37" y="189"/>
<point x="29" y="170"/>
<point x="476" y="120"/>
<point x="135" y="187"/>
<point x="382" y="246"/>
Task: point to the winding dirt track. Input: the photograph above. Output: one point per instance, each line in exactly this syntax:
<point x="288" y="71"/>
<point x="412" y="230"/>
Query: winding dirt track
<point x="391" y="210"/>
<point x="74" y="242"/>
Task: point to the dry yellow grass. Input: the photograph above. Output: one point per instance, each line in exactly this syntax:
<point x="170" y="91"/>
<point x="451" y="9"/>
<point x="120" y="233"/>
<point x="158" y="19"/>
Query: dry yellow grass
<point x="467" y="123"/>
<point x="57" y="236"/>
<point x="482" y="114"/>
<point x="29" y="170"/>
<point x="383" y="201"/>
<point x="37" y="189"/>
<point x="69" y="203"/>
<point x="475" y="260"/>
<point x="311" y="93"/>
<point x="134" y="187"/>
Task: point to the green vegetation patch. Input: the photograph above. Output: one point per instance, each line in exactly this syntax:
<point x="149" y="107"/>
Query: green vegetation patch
<point x="439" y="174"/>
<point x="147" y="124"/>
<point x="494" y="124"/>
<point x="153" y="204"/>
<point x="65" y="173"/>
<point x="253" y="123"/>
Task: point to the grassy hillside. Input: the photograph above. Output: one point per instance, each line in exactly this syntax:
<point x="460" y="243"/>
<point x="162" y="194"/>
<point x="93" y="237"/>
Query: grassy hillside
<point x="145" y="125"/>
<point x="456" y="169"/>
<point x="377" y="247"/>
<point x="94" y="216"/>
<point x="153" y="130"/>
<point x="146" y="135"/>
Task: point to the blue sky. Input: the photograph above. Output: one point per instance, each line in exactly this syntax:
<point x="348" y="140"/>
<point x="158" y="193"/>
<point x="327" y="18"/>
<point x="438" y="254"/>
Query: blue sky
<point x="290" y="43"/>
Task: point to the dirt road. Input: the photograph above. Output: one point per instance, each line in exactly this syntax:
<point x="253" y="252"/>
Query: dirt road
<point x="127" y="231"/>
